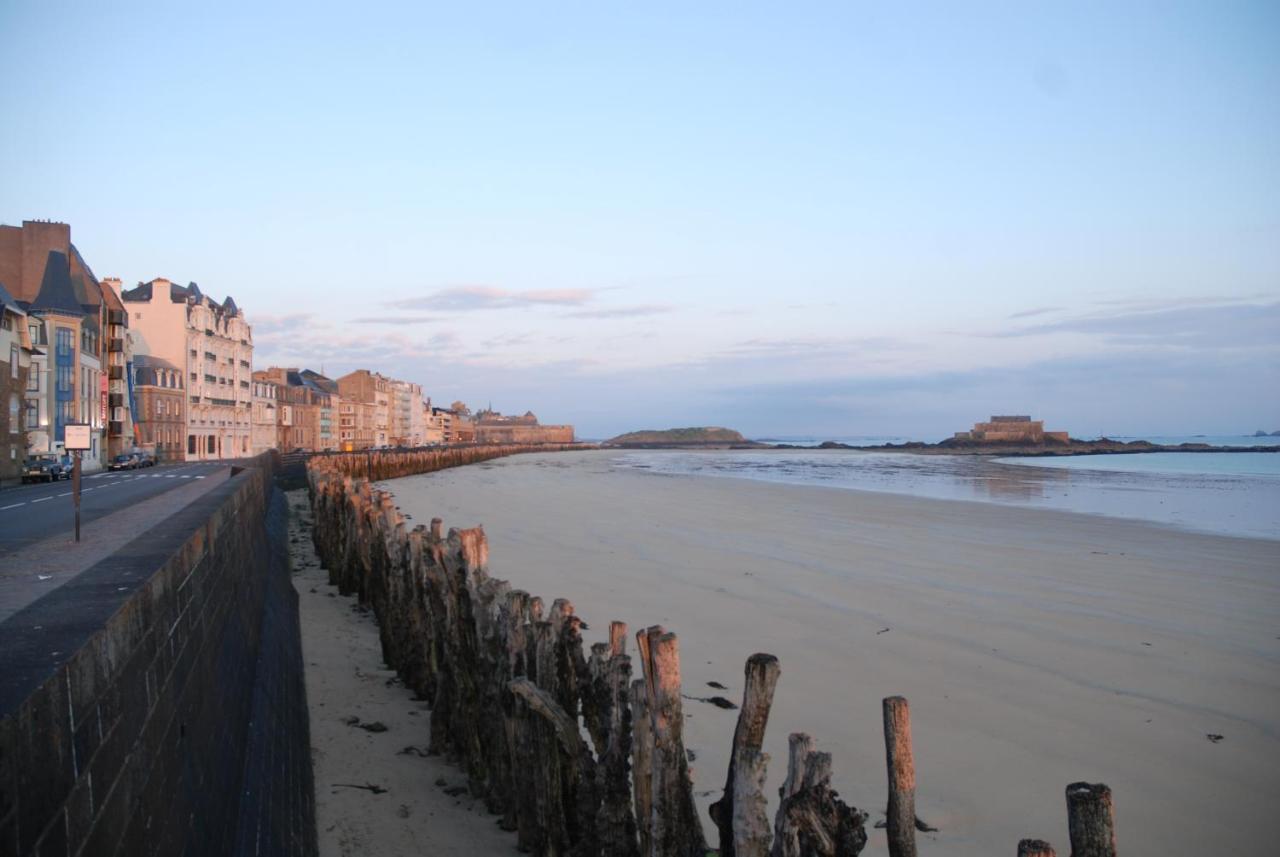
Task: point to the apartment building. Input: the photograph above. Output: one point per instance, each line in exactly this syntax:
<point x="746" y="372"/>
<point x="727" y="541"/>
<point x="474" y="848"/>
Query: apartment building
<point x="160" y="399"/>
<point x="408" y="425"/>
<point x="75" y="338"/>
<point x="304" y="409"/>
<point x="266" y="417"/>
<point x="364" y="410"/>
<point x="15" y="369"/>
<point x="213" y="343"/>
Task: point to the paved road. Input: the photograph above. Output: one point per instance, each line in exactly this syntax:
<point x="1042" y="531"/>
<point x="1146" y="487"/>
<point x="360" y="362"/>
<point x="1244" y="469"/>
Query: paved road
<point x="31" y="513"/>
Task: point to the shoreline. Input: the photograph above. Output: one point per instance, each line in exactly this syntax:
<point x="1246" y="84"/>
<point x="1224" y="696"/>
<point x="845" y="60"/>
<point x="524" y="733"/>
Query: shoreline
<point x="1037" y="646"/>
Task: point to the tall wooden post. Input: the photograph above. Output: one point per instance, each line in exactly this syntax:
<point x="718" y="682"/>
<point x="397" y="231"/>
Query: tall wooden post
<point x="1090" y="821"/>
<point x="901" y="816"/>
<point x="1035" y="848"/>
<point x="761" y="676"/>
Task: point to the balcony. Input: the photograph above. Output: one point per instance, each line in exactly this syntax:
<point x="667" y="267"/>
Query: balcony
<point x="117" y="316"/>
<point x="115" y="428"/>
<point x="115" y="400"/>
<point x="115" y="345"/>
<point x="115" y="373"/>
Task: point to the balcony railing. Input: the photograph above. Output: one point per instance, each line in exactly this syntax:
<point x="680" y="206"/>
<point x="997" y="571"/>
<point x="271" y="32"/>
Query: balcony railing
<point x="115" y="345"/>
<point x="115" y="400"/>
<point x="117" y="316"/>
<point x="115" y="428"/>
<point x="115" y="373"/>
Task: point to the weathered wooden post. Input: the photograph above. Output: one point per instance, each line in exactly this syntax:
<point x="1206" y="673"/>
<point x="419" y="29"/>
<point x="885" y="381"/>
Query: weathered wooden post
<point x="1090" y="821"/>
<point x="812" y="821"/>
<point x="901" y="815"/>
<point x="1035" y="848"/>
<point x="761" y="674"/>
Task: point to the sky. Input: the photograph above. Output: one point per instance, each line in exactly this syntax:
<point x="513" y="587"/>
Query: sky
<point x="791" y="219"/>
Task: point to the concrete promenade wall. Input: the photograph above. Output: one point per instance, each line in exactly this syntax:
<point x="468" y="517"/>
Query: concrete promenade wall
<point x="154" y="705"/>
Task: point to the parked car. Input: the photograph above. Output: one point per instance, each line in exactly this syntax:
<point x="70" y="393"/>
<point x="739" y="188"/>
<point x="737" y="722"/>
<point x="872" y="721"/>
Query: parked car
<point x="145" y="459"/>
<point x="41" y="469"/>
<point x="124" y="461"/>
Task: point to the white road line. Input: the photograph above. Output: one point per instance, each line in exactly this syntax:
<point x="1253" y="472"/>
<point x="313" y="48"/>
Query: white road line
<point x="41" y="500"/>
<point x="171" y="476"/>
<point x="199" y="477"/>
<point x="14" y="506"/>
<point x="87" y="490"/>
<point x="188" y="476"/>
<point x="66" y="494"/>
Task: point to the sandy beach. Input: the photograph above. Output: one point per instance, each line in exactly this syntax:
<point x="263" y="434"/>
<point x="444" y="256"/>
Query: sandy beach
<point x="1036" y="647"/>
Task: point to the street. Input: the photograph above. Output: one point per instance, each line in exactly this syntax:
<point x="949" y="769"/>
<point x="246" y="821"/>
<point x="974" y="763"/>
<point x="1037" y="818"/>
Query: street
<point x="31" y="513"/>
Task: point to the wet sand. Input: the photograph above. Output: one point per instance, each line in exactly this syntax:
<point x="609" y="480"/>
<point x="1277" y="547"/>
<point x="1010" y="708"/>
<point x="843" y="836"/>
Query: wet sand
<point x="1037" y="647"/>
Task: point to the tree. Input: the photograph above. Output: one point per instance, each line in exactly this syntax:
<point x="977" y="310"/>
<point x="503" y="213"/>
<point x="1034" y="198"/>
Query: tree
<point x="460" y="408"/>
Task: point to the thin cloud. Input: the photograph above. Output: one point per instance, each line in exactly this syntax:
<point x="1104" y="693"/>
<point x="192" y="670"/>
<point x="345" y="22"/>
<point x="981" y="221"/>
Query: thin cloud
<point x="396" y="319"/>
<point x="622" y="311"/>
<point x="1030" y="313"/>
<point x="469" y="298"/>
<point x="1230" y="326"/>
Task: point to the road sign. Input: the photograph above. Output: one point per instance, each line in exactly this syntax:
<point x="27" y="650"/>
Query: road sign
<point x="77" y="436"/>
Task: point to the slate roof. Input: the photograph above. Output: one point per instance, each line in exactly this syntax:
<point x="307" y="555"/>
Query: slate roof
<point x="7" y="301"/>
<point x="57" y="294"/>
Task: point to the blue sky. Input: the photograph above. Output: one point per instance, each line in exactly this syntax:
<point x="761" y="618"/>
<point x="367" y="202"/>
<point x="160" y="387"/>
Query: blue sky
<point x="831" y="219"/>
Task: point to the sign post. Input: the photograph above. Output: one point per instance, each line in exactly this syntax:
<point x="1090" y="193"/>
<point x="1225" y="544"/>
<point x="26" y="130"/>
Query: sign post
<point x="77" y="440"/>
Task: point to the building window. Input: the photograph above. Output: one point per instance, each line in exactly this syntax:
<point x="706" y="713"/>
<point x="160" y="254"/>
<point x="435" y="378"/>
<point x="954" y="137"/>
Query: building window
<point x="33" y="413"/>
<point x="14" y="406"/>
<point x="13" y="361"/>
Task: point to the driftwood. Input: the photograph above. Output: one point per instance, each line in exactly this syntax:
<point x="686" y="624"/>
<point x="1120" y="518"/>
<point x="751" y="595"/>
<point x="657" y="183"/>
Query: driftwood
<point x="1090" y="821"/>
<point x="750" y="821"/>
<point x="901" y="815"/>
<point x="812" y="821"/>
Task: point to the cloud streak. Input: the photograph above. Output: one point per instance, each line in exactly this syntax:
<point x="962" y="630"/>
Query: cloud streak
<point x="473" y="298"/>
<point x="636" y="311"/>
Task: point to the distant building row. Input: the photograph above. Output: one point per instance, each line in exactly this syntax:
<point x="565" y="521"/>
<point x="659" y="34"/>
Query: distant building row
<point x="166" y="368"/>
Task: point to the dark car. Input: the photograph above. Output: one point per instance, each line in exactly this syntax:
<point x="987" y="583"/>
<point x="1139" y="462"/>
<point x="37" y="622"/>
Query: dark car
<point x="145" y="459"/>
<point x="42" y="470"/>
<point x="124" y="461"/>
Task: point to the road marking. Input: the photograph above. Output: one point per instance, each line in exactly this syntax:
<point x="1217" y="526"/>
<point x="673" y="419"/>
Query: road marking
<point x="87" y="490"/>
<point x="41" y="500"/>
<point x="188" y="476"/>
<point x="67" y="494"/>
<point x="14" y="506"/>
<point x="199" y="477"/>
<point x="171" y="476"/>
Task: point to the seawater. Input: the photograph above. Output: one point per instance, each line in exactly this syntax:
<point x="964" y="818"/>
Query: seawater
<point x="1224" y="493"/>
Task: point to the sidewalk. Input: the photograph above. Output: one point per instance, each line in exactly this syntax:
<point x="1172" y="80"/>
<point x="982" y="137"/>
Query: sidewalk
<point x="44" y="566"/>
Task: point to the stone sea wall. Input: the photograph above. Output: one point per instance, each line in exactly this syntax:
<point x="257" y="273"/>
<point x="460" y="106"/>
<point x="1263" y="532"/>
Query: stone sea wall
<point x="154" y="705"/>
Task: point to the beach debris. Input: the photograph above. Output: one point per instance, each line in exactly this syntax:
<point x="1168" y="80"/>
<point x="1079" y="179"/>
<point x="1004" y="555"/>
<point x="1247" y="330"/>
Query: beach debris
<point x="883" y="631"/>
<point x="924" y="827"/>
<point x="44" y="577"/>
<point x="416" y="751"/>
<point x="900" y="760"/>
<point x="369" y="787"/>
<point x="375" y="726"/>
<point x="740" y="815"/>
<point x="717" y="701"/>
<point x="1214" y="737"/>
<point x="717" y="685"/>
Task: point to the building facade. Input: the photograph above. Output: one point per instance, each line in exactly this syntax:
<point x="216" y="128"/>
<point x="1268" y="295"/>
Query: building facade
<point x="213" y="343"/>
<point x="364" y="410"/>
<point x="15" y="371"/>
<point x="160" y="398"/>
<point x="493" y="427"/>
<point x="1011" y="429"/>
<point x="408" y="425"/>
<point x="266" y="417"/>
<point x="69" y="326"/>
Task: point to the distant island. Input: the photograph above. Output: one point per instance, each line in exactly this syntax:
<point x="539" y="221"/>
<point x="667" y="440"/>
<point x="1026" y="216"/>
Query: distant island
<point x="1261" y="433"/>
<point x="696" y="437"/>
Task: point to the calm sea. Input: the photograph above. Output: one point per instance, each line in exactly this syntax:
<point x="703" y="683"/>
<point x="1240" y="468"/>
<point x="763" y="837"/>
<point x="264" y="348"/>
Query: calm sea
<point x="1225" y="493"/>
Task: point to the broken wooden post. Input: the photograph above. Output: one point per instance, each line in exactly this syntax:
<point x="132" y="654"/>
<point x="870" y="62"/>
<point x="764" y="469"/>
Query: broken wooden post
<point x="674" y="827"/>
<point x="812" y="821"/>
<point x="1090" y="821"/>
<point x="757" y="697"/>
<point x="642" y="761"/>
<point x="901" y="814"/>
<point x="749" y="824"/>
<point x="1035" y="848"/>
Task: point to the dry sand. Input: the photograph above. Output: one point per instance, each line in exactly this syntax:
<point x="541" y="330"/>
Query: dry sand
<point x="347" y="678"/>
<point x="1037" y="648"/>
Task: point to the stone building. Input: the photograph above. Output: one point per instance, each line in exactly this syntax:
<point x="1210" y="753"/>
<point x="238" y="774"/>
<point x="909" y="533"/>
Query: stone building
<point x="78" y="340"/>
<point x="493" y="427"/>
<point x="304" y="409"/>
<point x="408" y="425"/>
<point x="1013" y="430"/>
<point x="364" y="410"/>
<point x="265" y="422"/>
<point x="160" y="399"/>
<point x="213" y="343"/>
<point x="15" y="370"/>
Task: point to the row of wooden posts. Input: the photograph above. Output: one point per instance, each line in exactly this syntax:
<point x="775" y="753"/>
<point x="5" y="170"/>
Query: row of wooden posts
<point x="513" y="692"/>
